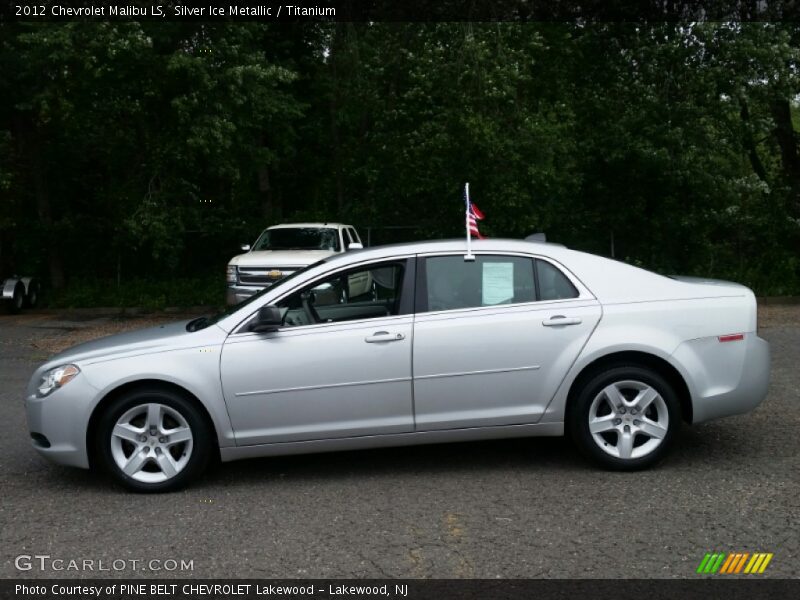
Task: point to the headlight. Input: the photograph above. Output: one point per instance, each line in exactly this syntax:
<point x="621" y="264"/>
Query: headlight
<point x="56" y="378"/>
<point x="231" y="275"/>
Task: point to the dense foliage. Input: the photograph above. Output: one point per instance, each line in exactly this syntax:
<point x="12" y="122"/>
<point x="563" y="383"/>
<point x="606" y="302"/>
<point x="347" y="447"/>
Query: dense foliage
<point x="133" y="151"/>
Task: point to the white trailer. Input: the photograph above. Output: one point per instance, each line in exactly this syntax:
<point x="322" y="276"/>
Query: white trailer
<point x="20" y="292"/>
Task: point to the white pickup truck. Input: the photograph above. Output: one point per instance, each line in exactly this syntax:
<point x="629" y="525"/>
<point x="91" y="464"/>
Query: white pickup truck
<point x="281" y="250"/>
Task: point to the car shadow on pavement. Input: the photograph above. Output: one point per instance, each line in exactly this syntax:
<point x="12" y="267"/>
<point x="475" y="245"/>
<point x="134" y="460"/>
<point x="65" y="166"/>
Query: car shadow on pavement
<point x="693" y="450"/>
<point x="434" y="459"/>
<point x="525" y="454"/>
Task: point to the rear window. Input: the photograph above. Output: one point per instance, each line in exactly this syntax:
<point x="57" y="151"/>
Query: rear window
<point x="553" y="284"/>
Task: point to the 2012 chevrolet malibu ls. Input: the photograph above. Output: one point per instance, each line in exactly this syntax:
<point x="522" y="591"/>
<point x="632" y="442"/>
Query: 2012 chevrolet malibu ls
<point x="411" y="344"/>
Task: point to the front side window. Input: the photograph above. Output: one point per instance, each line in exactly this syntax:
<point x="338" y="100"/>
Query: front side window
<point x="362" y="293"/>
<point x="299" y="238"/>
<point x="452" y="282"/>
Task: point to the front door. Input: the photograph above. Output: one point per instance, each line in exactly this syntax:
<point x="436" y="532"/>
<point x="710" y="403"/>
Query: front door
<point x="339" y="367"/>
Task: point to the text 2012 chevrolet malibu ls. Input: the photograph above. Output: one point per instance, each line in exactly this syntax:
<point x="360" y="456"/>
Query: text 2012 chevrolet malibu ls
<point x="526" y="339"/>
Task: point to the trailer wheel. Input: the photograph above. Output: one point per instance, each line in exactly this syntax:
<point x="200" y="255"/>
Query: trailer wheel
<point x="18" y="299"/>
<point x="33" y="295"/>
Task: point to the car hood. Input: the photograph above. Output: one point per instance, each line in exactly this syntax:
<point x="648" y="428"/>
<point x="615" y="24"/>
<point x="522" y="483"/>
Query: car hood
<point x="171" y="336"/>
<point x="280" y="258"/>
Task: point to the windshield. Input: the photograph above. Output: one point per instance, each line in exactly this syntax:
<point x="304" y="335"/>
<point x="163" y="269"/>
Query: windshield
<point x="298" y="238"/>
<point x="203" y="322"/>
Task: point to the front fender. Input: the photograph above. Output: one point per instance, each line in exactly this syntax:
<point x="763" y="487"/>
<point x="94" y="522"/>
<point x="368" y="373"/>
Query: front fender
<point x="194" y="369"/>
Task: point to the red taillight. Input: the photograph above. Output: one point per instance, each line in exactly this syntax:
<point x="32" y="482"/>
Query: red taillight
<point x="733" y="337"/>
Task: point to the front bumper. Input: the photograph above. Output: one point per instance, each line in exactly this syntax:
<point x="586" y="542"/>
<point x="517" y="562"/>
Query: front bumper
<point x="62" y="418"/>
<point x="727" y="378"/>
<point x="238" y="293"/>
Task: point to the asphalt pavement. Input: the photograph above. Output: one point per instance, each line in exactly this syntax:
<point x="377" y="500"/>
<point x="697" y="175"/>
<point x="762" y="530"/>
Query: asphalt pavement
<point x="508" y="509"/>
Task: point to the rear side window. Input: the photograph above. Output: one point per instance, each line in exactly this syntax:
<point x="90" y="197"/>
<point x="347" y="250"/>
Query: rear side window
<point x="354" y="235"/>
<point x="452" y="283"/>
<point x="553" y="284"/>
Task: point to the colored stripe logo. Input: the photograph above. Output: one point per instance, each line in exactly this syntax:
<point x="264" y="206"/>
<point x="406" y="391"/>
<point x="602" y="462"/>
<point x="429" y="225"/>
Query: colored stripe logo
<point x="732" y="563"/>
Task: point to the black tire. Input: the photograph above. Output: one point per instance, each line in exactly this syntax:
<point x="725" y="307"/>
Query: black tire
<point x="201" y="446"/>
<point x="18" y="300"/>
<point x="578" y="417"/>
<point x="33" y="295"/>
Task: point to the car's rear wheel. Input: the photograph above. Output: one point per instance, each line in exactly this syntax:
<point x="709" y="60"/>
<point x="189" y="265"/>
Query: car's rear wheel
<point x="625" y="418"/>
<point x="153" y="440"/>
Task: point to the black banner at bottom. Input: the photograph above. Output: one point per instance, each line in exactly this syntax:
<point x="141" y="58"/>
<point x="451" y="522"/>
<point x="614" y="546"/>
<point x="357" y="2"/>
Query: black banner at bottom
<point x="396" y="589"/>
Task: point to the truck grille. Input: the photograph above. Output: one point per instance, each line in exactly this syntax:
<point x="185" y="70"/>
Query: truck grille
<point x="262" y="276"/>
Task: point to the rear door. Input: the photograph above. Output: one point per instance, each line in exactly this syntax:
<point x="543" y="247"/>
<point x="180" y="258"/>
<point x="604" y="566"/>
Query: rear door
<point x="494" y="338"/>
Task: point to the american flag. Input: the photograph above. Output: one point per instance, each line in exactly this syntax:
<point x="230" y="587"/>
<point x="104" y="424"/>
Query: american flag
<point x="473" y="216"/>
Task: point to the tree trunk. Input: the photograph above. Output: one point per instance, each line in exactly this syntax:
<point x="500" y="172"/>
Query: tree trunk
<point x="32" y="144"/>
<point x="787" y="142"/>
<point x="749" y="142"/>
<point x="54" y="262"/>
<point x="265" y="187"/>
<point x="334" y="107"/>
<point x="790" y="161"/>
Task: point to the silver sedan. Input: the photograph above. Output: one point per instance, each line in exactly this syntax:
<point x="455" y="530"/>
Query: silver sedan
<point x="411" y="344"/>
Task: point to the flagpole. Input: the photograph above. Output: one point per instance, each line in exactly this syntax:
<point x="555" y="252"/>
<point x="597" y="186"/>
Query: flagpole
<point x="468" y="255"/>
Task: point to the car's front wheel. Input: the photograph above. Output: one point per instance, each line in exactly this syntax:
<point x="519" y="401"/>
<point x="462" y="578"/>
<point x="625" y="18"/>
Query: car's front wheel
<point x="153" y="440"/>
<point x="625" y="418"/>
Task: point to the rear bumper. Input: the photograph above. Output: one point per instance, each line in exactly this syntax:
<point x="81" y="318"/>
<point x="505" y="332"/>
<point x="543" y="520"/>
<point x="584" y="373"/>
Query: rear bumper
<point x="726" y="378"/>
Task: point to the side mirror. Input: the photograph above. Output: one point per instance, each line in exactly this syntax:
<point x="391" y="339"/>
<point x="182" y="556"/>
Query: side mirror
<point x="245" y="247"/>
<point x="355" y="246"/>
<point x="268" y="319"/>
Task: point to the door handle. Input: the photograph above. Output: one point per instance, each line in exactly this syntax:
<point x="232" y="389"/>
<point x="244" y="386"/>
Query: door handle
<point x="560" y="320"/>
<point x="384" y="336"/>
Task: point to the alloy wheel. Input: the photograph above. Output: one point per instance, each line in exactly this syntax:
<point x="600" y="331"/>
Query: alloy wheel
<point x="151" y="443"/>
<point x="628" y="419"/>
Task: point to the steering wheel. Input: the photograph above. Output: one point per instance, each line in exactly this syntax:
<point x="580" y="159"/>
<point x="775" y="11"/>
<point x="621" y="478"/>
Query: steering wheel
<point x="308" y="308"/>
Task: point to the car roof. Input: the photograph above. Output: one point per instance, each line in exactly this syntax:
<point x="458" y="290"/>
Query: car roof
<point x="608" y="280"/>
<point x="292" y="225"/>
<point x="457" y="245"/>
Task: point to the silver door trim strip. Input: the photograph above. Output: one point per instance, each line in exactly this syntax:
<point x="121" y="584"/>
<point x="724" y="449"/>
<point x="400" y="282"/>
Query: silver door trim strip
<point x="321" y="387"/>
<point x="485" y="372"/>
<point x="390" y="439"/>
